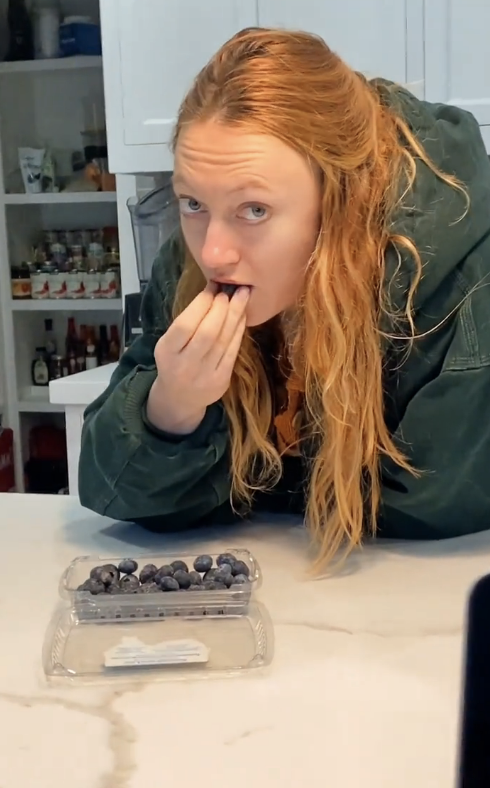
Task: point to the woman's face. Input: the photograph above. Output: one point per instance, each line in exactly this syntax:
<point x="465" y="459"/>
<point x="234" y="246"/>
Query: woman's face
<point x="250" y="212"/>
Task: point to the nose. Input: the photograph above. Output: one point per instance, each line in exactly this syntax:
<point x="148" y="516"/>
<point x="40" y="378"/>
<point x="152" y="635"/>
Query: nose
<point x="219" y="249"/>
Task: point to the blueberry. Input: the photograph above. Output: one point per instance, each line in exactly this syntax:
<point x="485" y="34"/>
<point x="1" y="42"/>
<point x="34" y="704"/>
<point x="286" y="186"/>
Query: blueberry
<point x="148" y="588"/>
<point x="169" y="584"/>
<point x="240" y="568"/>
<point x="240" y="580"/>
<point x="203" y="563"/>
<point x="196" y="578"/>
<point x="148" y="573"/>
<point x="105" y="577"/>
<point x="228" y="581"/>
<point x="183" y="578"/>
<point x="113" y="571"/>
<point x="226" y="558"/>
<point x="114" y="588"/>
<point x="213" y="585"/>
<point x="179" y="566"/>
<point x="107" y="571"/>
<point x="94" y="586"/>
<point x="129" y="582"/>
<point x="227" y="289"/>
<point x="210" y="585"/>
<point x="128" y="566"/>
<point x="196" y="587"/>
<point x="223" y="573"/>
<point x="210" y="575"/>
<point x="164" y="571"/>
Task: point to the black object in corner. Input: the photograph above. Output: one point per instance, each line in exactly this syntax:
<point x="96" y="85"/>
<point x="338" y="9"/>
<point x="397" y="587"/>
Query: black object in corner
<point x="474" y="756"/>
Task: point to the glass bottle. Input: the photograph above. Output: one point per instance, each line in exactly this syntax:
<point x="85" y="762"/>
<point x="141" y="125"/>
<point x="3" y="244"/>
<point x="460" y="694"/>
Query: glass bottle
<point x="103" y="345"/>
<point x="40" y="368"/>
<point x="114" y="344"/>
<point x="49" y="338"/>
<point x="71" y="341"/>
<point x="21" y="38"/>
<point x="91" y="359"/>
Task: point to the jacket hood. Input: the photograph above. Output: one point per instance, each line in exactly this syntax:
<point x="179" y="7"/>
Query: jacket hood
<point x="434" y="215"/>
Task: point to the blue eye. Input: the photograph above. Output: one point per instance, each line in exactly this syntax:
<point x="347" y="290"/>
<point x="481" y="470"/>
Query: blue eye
<point x="252" y="212"/>
<point x="189" y="205"/>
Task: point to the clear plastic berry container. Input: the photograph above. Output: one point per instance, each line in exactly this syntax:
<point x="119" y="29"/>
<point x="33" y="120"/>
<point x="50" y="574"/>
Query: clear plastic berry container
<point x="156" y="643"/>
<point x="245" y="579"/>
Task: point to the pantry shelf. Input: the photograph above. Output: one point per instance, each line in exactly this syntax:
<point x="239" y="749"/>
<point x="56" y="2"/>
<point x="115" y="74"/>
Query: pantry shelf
<point x="68" y="305"/>
<point x="39" y="406"/>
<point x="54" y="64"/>
<point x="60" y="198"/>
<point x="57" y="106"/>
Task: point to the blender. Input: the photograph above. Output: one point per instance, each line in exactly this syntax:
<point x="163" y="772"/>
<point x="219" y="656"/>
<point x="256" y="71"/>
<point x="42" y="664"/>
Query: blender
<point x="154" y="218"/>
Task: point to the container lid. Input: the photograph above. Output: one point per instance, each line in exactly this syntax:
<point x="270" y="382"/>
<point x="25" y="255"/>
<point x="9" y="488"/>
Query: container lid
<point x="195" y="642"/>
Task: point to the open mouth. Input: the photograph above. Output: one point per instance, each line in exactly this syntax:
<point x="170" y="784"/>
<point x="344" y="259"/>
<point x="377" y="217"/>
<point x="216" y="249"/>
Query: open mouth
<point x="229" y="289"/>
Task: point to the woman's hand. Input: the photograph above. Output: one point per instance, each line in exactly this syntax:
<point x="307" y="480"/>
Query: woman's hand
<point x="195" y="359"/>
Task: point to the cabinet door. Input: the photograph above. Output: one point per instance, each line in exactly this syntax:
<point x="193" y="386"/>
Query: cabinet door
<point x="152" y="50"/>
<point x="457" y="54"/>
<point x="370" y="35"/>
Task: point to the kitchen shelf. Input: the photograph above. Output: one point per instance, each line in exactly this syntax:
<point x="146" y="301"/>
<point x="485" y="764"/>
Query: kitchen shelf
<point x="68" y="305"/>
<point x="35" y="399"/>
<point x="52" y="64"/>
<point x="39" y="406"/>
<point x="60" y="198"/>
<point x="48" y="105"/>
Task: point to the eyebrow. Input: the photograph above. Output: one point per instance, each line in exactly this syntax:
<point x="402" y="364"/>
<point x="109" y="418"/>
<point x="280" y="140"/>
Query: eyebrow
<point x="249" y="183"/>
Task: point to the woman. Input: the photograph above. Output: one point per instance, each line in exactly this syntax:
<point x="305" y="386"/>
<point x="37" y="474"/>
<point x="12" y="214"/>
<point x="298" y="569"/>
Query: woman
<point x="348" y="377"/>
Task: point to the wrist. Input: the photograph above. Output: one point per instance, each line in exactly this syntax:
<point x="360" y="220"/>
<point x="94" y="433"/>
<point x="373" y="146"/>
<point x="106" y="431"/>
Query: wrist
<point x="175" y="421"/>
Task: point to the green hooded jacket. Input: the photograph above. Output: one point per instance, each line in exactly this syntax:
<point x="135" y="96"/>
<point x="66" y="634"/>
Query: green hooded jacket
<point x="437" y="400"/>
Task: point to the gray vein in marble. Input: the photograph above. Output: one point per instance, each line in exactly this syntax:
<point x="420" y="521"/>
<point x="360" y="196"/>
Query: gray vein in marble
<point x="422" y="632"/>
<point x="246" y="735"/>
<point x="122" y="734"/>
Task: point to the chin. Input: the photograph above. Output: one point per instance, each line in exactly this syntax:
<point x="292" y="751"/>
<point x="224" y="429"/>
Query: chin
<point x="257" y="318"/>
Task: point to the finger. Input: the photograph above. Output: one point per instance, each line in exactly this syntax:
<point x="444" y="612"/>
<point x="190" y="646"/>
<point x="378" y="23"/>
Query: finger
<point x="227" y="362"/>
<point x="236" y="311"/>
<point x="183" y="328"/>
<point x="208" y="330"/>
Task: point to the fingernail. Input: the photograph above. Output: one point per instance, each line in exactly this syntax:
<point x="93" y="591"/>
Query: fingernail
<point x="242" y="293"/>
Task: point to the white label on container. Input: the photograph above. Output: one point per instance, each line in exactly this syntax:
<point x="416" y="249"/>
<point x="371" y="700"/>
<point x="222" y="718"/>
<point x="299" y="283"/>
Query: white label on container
<point x="132" y="652"/>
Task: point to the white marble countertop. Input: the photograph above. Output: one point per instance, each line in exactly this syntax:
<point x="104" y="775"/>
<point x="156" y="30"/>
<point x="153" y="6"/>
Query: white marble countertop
<point x="363" y="691"/>
<point x="82" y="388"/>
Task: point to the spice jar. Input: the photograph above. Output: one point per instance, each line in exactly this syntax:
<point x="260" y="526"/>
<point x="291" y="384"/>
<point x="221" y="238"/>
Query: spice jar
<point x="57" y="283"/>
<point x="56" y="367"/>
<point x="75" y="286"/>
<point x="91" y="280"/>
<point x="21" y="281"/>
<point x="40" y="282"/>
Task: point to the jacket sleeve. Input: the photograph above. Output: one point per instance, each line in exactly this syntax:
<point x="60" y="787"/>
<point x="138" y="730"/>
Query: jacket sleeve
<point x="445" y="432"/>
<point x="130" y="470"/>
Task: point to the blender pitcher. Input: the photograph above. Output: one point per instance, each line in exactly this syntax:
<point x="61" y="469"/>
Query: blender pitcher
<point x="154" y="218"/>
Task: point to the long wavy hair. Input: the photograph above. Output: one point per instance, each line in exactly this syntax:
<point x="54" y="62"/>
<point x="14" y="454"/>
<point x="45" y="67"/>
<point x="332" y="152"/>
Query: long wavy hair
<point x="292" y="86"/>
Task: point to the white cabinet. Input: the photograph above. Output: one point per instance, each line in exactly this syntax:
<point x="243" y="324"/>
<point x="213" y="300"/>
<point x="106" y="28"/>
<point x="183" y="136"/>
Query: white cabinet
<point x="370" y="35"/>
<point x="152" y="51"/>
<point x="154" y="48"/>
<point x="457" y="55"/>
